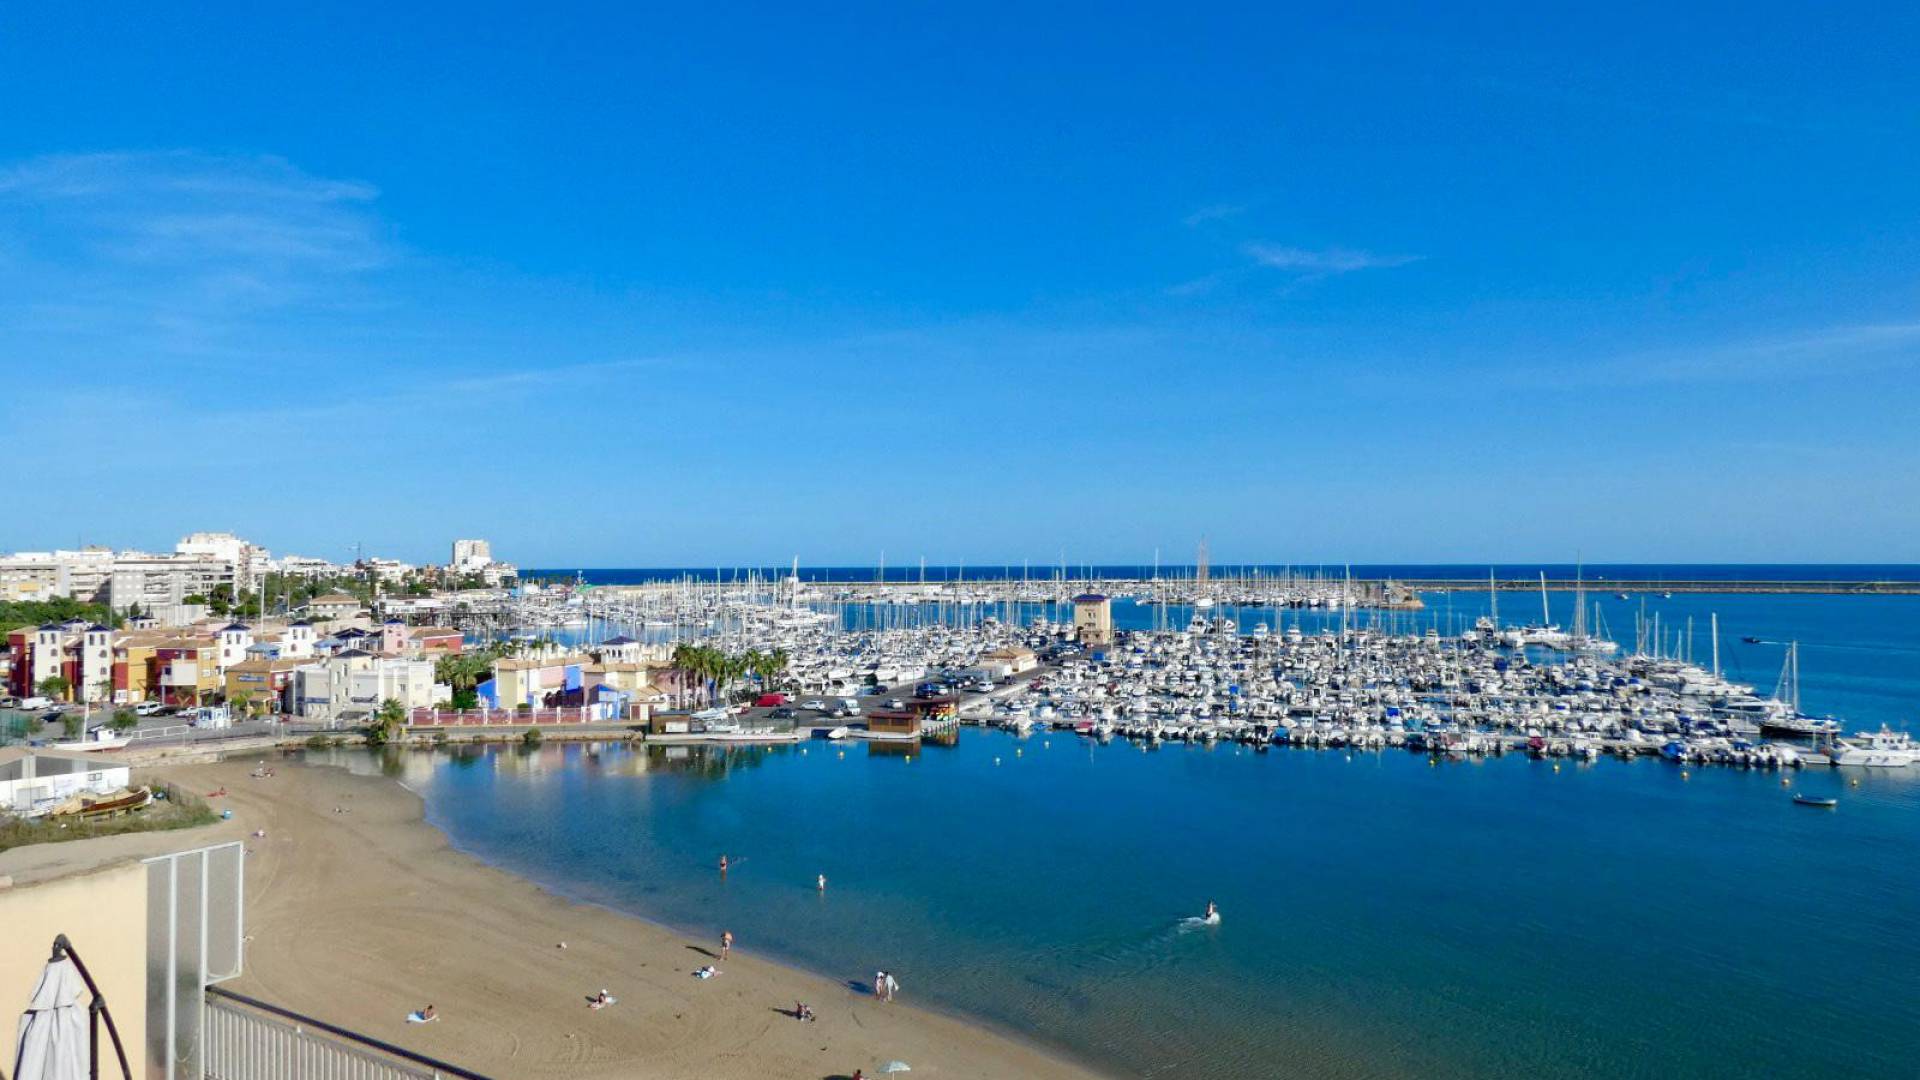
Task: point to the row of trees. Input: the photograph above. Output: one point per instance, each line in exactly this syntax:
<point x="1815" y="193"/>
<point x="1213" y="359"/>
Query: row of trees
<point x="723" y="671"/>
<point x="60" y="609"/>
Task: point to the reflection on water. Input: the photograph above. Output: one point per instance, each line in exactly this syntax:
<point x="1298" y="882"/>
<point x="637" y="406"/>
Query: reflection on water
<point x="1381" y="916"/>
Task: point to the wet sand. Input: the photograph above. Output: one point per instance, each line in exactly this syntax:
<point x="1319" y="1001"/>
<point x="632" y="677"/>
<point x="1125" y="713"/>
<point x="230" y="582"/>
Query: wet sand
<point x="358" y="917"/>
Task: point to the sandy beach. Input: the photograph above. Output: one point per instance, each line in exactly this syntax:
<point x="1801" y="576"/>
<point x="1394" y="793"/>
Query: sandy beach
<point x="359" y="912"/>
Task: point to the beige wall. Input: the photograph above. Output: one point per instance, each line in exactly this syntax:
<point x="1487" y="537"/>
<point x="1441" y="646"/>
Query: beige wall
<point x="104" y="914"/>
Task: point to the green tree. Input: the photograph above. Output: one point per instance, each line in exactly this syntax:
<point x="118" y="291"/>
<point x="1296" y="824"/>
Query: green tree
<point x="388" y="721"/>
<point x="71" y="724"/>
<point x="55" y="686"/>
<point x="124" y="720"/>
<point x="464" y="672"/>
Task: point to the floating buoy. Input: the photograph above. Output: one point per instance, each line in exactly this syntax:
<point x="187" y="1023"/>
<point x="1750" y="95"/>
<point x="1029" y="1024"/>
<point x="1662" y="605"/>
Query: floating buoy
<point x="1432" y="762"/>
<point x="843" y="753"/>
<point x="1683" y="774"/>
<point x="1784" y="781"/>
<point x="996" y="761"/>
<point x="1856" y="783"/>
<point x="1045" y="743"/>
<point x="1556" y="768"/>
<point x="1016" y="751"/>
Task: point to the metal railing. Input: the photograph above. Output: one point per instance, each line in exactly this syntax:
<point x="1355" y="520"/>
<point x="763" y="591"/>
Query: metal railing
<point x="248" y="1039"/>
<point x="96" y="1012"/>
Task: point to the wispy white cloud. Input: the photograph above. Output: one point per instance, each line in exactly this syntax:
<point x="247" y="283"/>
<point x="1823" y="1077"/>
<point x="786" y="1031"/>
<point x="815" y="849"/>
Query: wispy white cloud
<point x="1828" y="351"/>
<point x="1215" y="212"/>
<point x="1334" y="260"/>
<point x="177" y="252"/>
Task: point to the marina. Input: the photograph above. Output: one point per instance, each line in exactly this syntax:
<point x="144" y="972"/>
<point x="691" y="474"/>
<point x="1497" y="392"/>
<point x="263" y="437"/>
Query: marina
<point x="1308" y="663"/>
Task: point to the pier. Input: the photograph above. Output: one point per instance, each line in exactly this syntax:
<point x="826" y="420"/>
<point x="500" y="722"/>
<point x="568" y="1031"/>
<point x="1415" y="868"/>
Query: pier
<point x="1658" y="587"/>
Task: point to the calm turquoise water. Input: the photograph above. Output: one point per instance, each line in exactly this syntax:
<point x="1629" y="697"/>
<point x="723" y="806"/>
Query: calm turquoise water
<point x="1383" y="917"/>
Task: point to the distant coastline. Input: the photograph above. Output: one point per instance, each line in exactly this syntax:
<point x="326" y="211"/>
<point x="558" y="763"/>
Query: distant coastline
<point x="1598" y="576"/>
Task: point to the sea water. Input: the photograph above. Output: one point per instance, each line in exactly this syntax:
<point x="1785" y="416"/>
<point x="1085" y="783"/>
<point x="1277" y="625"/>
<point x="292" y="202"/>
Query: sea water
<point x="1383" y="915"/>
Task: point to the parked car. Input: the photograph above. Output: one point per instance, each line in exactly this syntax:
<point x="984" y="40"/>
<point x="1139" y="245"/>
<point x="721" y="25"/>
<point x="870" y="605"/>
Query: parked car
<point x="765" y="700"/>
<point x="815" y="704"/>
<point x="32" y="703"/>
<point x="896" y="703"/>
<point x="784" y="712"/>
<point x="148" y="708"/>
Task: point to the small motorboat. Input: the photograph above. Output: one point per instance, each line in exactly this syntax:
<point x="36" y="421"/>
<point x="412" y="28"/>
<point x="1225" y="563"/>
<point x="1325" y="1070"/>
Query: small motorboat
<point x="837" y="733"/>
<point x="1821" y="801"/>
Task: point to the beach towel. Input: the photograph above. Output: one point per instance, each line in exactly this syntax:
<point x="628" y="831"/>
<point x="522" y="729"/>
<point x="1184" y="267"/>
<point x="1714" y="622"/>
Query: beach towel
<point x="416" y="1018"/>
<point x="707" y="972"/>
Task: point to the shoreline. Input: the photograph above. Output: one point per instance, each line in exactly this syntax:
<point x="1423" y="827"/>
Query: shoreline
<point x="350" y="897"/>
<point x="1062" y="1055"/>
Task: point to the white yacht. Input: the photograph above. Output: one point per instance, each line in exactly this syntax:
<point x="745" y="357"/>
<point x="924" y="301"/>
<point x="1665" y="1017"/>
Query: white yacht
<point x="1883" y="749"/>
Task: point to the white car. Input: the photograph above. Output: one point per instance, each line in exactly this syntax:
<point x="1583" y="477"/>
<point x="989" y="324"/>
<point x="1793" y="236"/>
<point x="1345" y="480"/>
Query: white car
<point x="147" y="708"/>
<point x="815" y="704"/>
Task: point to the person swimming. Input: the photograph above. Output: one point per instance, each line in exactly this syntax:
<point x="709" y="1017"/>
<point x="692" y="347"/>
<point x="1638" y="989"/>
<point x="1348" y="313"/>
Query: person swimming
<point x="1212" y="917"/>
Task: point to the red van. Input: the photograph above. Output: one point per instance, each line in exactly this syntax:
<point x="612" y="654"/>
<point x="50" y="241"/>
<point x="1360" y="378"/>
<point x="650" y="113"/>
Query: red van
<point x="769" y="700"/>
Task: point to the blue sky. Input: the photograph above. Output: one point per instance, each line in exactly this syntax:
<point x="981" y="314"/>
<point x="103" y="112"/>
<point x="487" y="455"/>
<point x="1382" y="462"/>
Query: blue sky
<point x="626" y="286"/>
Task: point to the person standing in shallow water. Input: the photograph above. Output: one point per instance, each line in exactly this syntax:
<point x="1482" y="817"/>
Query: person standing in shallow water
<point x="723" y="866"/>
<point x="726" y="943"/>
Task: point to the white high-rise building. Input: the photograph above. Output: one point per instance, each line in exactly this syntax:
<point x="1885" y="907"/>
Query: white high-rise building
<point x="471" y="556"/>
<point x="248" y="560"/>
<point x="46" y="575"/>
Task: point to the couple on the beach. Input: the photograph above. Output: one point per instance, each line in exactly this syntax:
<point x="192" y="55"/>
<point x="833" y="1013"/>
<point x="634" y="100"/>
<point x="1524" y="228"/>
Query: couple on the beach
<point x="884" y="986"/>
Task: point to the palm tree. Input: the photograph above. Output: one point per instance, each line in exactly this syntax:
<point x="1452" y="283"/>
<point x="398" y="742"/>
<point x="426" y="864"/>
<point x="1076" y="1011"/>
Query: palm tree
<point x="387" y="722"/>
<point x="463" y="672"/>
<point x="775" y="666"/>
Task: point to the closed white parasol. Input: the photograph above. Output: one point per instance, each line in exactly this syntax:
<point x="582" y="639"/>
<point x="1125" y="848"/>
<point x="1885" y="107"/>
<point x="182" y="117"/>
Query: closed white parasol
<point x="53" y="1031"/>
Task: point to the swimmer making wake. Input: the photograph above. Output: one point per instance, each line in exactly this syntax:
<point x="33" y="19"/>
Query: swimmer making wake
<point x="1211" y="918"/>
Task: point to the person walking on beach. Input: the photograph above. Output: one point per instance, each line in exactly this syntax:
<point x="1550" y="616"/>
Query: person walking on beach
<point x="726" y="943"/>
<point x="880" y="985"/>
<point x="892" y="986"/>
